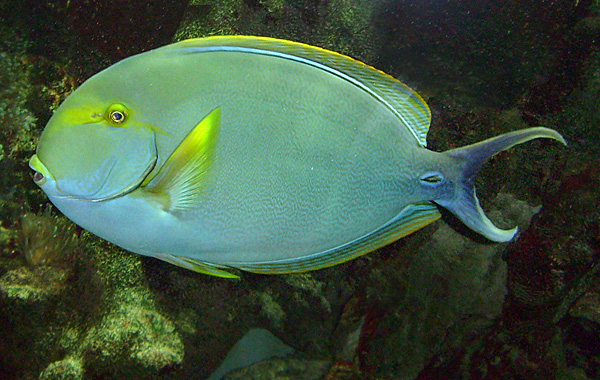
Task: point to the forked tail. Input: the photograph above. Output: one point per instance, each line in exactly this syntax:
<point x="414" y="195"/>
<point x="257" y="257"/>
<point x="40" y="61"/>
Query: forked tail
<point x="464" y="203"/>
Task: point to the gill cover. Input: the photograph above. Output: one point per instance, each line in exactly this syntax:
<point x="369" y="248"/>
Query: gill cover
<point x="96" y="152"/>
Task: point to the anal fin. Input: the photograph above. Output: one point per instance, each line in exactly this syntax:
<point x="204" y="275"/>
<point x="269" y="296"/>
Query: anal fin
<point x="197" y="266"/>
<point x="409" y="220"/>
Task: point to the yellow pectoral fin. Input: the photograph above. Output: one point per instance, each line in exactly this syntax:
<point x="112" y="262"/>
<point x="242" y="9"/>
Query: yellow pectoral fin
<point x="198" y="266"/>
<point x="181" y="179"/>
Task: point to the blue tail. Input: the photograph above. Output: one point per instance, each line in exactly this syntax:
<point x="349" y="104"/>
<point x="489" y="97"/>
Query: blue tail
<point x="464" y="203"/>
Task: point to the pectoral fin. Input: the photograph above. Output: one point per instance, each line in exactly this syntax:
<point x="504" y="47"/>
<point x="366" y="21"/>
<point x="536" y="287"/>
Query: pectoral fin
<point x="181" y="179"/>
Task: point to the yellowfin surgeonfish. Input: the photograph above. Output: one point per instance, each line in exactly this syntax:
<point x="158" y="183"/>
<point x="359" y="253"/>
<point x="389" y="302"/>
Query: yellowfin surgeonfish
<point x="254" y="153"/>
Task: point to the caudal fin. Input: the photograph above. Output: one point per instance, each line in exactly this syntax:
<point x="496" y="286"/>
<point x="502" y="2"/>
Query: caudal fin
<point x="464" y="204"/>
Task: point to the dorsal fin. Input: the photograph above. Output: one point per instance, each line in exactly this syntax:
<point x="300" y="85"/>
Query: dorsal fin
<point x="181" y="179"/>
<point x="408" y="106"/>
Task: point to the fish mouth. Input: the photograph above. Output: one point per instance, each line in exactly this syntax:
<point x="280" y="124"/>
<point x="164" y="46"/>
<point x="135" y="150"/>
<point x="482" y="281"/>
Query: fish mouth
<point x="106" y="165"/>
<point x="42" y="173"/>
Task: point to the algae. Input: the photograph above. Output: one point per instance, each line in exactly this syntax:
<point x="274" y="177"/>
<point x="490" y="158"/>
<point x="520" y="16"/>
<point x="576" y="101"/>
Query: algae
<point x="341" y="25"/>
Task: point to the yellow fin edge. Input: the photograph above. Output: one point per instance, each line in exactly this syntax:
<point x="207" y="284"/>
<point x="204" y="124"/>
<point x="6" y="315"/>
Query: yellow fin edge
<point x="197" y="266"/>
<point x="414" y="218"/>
<point x="410" y="107"/>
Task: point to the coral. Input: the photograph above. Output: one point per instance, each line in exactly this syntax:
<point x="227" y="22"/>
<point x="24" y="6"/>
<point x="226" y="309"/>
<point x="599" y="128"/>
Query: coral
<point x="131" y="337"/>
<point x="45" y="239"/>
<point x="125" y="337"/>
<point x="105" y="313"/>
<point x="274" y="7"/>
<point x="18" y="128"/>
<point x="308" y="283"/>
<point x="349" y="27"/>
<point x="7" y="242"/>
<point x="290" y="368"/>
<point x="271" y="309"/>
<point x="582" y="332"/>
<point x="47" y="244"/>
<point x="207" y="18"/>
<point x="88" y="313"/>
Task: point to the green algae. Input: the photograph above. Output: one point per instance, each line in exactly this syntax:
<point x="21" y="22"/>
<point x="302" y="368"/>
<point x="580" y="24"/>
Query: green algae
<point x="344" y="26"/>
<point x="16" y="119"/>
<point x="69" y="368"/>
<point x="33" y="284"/>
<point x="132" y="338"/>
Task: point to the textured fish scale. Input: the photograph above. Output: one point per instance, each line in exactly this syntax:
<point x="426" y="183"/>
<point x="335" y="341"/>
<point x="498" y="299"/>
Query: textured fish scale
<point x="406" y="104"/>
<point x="412" y="218"/>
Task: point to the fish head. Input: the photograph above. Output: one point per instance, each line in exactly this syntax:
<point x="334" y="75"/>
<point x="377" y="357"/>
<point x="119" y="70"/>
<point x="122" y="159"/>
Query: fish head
<point x="96" y="145"/>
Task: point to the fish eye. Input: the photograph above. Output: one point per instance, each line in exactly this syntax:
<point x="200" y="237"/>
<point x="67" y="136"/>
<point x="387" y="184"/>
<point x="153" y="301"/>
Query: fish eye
<point x="117" y="114"/>
<point x="117" y="117"/>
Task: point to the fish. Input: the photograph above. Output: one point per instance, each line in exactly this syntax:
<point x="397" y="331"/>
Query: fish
<point x="255" y="346"/>
<point x="239" y="153"/>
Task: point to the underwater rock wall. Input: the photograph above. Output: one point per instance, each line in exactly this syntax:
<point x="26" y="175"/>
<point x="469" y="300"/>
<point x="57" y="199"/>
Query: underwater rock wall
<point x="439" y="303"/>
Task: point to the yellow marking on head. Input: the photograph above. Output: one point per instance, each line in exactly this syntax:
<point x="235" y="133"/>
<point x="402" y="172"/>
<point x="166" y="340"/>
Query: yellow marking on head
<point x="80" y="115"/>
<point x="39" y="167"/>
<point x="118" y="115"/>
<point x="115" y="113"/>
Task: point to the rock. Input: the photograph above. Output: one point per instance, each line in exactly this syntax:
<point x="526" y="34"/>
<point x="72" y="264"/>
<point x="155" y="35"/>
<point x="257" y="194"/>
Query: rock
<point x="587" y="307"/>
<point x="581" y="333"/>
<point x="452" y="287"/>
<point x="66" y="369"/>
<point x="31" y="285"/>
<point x="282" y="369"/>
<point x="133" y="338"/>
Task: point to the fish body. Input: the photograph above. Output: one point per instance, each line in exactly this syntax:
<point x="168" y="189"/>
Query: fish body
<point x="254" y="153"/>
